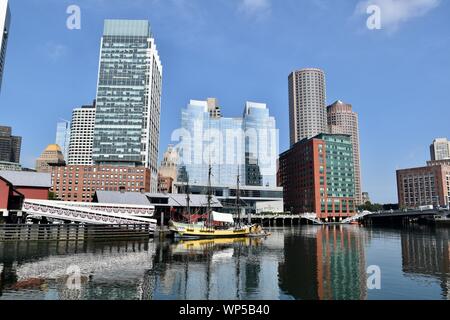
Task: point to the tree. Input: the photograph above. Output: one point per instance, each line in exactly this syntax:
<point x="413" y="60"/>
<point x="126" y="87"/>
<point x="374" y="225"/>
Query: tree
<point x="52" y="196"/>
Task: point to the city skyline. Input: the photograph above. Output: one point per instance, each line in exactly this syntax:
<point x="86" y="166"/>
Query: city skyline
<point x="379" y="96"/>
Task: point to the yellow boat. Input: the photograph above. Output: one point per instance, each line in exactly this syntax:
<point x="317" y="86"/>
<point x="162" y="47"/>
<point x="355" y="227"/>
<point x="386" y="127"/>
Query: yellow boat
<point x="195" y="231"/>
<point x="204" y="244"/>
<point x="229" y="228"/>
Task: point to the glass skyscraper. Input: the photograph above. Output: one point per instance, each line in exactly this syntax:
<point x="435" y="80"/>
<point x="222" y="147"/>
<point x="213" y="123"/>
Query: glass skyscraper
<point x="128" y="107"/>
<point x="247" y="146"/>
<point x="5" y="20"/>
<point x="63" y="137"/>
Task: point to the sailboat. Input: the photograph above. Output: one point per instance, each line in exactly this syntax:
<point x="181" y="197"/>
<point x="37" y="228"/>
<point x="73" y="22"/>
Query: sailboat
<point x="218" y="225"/>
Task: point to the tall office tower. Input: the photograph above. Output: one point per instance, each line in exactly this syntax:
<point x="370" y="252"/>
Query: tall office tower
<point x="81" y="136"/>
<point x="307" y="106"/>
<point x="5" y="20"/>
<point x="440" y="149"/>
<point x="127" y="120"/>
<point x="63" y="137"/>
<point x="9" y="146"/>
<point x="342" y="120"/>
<point x="247" y="145"/>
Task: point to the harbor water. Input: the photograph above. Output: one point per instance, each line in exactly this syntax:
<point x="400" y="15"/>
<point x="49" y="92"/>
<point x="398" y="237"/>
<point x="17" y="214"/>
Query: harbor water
<point x="296" y="262"/>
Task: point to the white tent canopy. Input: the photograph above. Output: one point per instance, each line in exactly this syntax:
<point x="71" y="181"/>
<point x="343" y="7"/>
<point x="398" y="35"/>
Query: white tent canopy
<point x="222" y="217"/>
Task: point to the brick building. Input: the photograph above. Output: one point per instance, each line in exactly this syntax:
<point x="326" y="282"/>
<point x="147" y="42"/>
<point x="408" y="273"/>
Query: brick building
<point x="79" y="182"/>
<point x="424" y="186"/>
<point x="16" y="186"/>
<point x="318" y="177"/>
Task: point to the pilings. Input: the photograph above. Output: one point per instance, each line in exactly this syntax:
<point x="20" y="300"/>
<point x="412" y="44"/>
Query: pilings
<point x="72" y="232"/>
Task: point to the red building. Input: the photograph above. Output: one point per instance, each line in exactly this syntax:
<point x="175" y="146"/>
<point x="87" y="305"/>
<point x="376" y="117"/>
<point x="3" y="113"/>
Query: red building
<point x="15" y="186"/>
<point x="318" y="177"/>
<point x="79" y="183"/>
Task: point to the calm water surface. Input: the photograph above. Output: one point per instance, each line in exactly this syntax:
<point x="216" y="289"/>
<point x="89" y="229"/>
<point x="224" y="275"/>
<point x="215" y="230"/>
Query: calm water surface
<point x="304" y="262"/>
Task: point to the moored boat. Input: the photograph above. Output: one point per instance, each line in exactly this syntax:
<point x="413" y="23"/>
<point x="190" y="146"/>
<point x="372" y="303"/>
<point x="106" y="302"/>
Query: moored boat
<point x="200" y="231"/>
<point x="217" y="225"/>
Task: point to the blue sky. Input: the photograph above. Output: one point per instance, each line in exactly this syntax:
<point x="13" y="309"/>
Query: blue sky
<point x="397" y="78"/>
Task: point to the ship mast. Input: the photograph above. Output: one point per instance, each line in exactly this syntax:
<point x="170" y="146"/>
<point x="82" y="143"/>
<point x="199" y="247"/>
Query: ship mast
<point x="238" y="199"/>
<point x="188" y="200"/>
<point x="209" y="197"/>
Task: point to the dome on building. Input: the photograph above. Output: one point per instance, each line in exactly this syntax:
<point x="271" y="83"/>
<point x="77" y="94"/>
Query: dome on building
<point x="53" y="148"/>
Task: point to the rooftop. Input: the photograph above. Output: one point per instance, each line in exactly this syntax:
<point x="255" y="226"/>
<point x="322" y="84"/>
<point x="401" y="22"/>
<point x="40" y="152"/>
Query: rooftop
<point x="53" y="147"/>
<point x="170" y="200"/>
<point x="28" y="179"/>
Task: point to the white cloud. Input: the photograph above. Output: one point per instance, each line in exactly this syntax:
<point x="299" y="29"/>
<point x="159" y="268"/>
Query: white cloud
<point x="54" y="51"/>
<point x="396" y="12"/>
<point x="255" y="7"/>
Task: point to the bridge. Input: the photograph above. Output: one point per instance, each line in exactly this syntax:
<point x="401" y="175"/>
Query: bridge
<point x="409" y="213"/>
<point x="405" y="216"/>
<point x="365" y="215"/>
<point x="91" y="213"/>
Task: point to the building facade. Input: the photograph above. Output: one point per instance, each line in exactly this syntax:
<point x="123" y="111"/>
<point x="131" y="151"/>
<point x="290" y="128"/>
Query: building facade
<point x="424" y="186"/>
<point x="165" y="184"/>
<point x="52" y="156"/>
<point x="169" y="164"/>
<point x="307" y="104"/>
<point x="318" y="177"/>
<point x="127" y="120"/>
<point x="168" y="170"/>
<point x="10" y="166"/>
<point x="252" y="198"/>
<point x="79" y="183"/>
<point x="9" y="145"/>
<point x="5" y="21"/>
<point x="440" y="149"/>
<point x="438" y="162"/>
<point x="342" y="120"/>
<point x="81" y="136"/>
<point x="214" y="108"/>
<point x="63" y="137"/>
<point x="246" y="146"/>
<point x="365" y="197"/>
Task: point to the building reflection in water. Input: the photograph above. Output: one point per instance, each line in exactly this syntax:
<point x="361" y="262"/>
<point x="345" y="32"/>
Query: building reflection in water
<point x="428" y="253"/>
<point x="38" y="270"/>
<point x="325" y="263"/>
<point x="228" y="269"/>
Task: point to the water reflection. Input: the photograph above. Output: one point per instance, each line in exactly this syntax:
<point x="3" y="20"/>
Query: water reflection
<point x="306" y="262"/>
<point x="40" y="270"/>
<point x="325" y="263"/>
<point x="428" y="254"/>
<point x="215" y="269"/>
